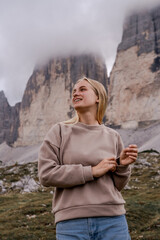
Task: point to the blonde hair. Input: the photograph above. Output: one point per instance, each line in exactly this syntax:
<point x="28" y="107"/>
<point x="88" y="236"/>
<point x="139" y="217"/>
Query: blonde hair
<point x="100" y="91"/>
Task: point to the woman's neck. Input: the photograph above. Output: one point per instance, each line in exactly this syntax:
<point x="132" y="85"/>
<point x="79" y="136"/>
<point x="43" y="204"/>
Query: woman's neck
<point x="88" y="119"/>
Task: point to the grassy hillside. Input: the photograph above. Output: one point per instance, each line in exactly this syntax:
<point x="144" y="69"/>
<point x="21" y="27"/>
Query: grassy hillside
<point x="28" y="215"/>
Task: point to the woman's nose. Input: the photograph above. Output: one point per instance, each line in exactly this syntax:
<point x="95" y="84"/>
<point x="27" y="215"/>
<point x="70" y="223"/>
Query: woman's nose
<point x="75" y="94"/>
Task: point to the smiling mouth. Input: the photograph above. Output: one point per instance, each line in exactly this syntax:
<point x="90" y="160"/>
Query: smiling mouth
<point x="77" y="100"/>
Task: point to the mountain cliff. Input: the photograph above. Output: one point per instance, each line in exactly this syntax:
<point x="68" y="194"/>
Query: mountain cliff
<point x="9" y="120"/>
<point x="134" y="90"/>
<point x="47" y="97"/>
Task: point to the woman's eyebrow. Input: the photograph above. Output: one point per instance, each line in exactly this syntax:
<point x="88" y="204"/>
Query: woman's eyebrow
<point x="79" y="87"/>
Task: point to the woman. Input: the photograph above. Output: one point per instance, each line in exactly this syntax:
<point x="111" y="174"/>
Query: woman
<point x="86" y="162"/>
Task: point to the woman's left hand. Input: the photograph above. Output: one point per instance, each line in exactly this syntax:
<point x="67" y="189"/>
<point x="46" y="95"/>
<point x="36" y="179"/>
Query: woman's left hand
<point x="128" y="155"/>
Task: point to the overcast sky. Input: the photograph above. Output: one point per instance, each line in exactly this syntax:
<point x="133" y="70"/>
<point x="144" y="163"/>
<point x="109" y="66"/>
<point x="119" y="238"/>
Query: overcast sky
<point x="33" y="31"/>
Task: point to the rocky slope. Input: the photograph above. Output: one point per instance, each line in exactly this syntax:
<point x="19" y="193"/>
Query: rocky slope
<point x="146" y="138"/>
<point x="135" y="78"/>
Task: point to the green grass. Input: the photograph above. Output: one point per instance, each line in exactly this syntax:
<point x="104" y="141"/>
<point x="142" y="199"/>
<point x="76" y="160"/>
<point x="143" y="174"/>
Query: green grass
<point x="28" y="216"/>
<point x="143" y="214"/>
<point x="143" y="199"/>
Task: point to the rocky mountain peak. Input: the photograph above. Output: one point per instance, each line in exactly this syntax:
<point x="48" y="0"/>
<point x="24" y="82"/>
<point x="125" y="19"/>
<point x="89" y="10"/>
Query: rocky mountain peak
<point x="135" y="79"/>
<point x="72" y="68"/>
<point x="3" y="101"/>
<point x="143" y="30"/>
<point x="47" y="97"/>
<point x="9" y="120"/>
<point x="2" y="95"/>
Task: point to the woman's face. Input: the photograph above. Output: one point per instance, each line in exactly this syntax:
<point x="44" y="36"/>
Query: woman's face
<point x="84" y="96"/>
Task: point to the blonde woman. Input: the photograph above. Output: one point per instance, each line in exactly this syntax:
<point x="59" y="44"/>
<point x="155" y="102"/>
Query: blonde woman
<point x="88" y="166"/>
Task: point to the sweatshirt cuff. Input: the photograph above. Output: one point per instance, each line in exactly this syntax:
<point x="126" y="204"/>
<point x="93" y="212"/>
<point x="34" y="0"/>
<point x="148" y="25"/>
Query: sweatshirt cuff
<point x="121" y="168"/>
<point x="87" y="171"/>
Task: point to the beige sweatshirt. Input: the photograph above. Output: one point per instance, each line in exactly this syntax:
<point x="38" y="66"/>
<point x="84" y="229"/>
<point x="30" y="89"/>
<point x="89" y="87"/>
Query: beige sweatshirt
<point x="65" y="160"/>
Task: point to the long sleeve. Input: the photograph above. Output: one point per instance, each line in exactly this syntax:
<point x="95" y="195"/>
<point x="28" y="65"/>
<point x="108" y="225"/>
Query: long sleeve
<point x="65" y="159"/>
<point x="52" y="172"/>
<point x="122" y="174"/>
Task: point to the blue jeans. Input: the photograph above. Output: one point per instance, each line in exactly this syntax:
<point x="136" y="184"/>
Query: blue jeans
<point x="93" y="228"/>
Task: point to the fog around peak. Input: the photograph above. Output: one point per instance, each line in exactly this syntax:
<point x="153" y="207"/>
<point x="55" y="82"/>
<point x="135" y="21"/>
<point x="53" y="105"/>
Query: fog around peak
<point x="34" y="31"/>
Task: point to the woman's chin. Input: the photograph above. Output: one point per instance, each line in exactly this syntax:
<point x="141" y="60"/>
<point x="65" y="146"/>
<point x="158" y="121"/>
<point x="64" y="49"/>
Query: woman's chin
<point x="76" y="106"/>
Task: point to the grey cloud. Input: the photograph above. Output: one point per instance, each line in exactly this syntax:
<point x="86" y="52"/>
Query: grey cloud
<point x="33" y="31"/>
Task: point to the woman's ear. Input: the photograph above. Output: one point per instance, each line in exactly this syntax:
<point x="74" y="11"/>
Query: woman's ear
<point x="97" y="101"/>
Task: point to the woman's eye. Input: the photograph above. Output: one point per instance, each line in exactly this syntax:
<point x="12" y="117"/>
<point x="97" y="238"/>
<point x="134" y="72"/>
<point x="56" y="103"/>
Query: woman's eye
<point x="83" y="89"/>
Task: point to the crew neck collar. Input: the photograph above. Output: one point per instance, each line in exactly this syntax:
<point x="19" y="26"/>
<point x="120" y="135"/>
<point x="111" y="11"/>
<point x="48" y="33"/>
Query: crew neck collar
<point x="89" y="126"/>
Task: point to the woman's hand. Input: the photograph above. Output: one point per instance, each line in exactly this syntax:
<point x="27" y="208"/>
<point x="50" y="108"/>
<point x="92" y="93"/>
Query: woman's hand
<point x="128" y="155"/>
<point x="107" y="164"/>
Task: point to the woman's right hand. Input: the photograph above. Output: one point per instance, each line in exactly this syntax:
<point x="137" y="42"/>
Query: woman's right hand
<point x="107" y="164"/>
